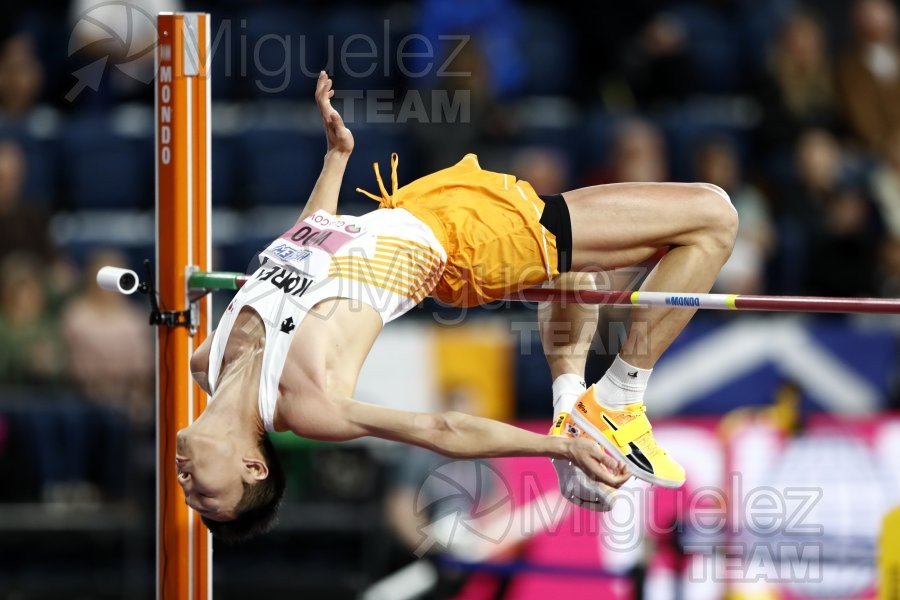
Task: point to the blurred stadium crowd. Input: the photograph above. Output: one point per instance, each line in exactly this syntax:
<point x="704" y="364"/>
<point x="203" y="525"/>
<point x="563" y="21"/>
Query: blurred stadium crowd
<point x="792" y="107"/>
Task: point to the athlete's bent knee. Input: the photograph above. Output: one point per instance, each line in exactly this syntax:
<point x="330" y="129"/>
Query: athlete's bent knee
<point x="719" y="216"/>
<point x="715" y="189"/>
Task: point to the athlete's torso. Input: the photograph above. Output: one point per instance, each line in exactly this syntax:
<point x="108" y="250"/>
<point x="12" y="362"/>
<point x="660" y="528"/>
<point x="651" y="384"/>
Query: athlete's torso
<point x="344" y="335"/>
<point x="318" y="301"/>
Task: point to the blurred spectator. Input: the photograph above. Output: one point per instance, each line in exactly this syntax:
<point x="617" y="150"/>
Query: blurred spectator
<point x="885" y="182"/>
<point x="444" y="141"/>
<point x="869" y="73"/>
<point x="495" y="26"/>
<point x="633" y="54"/>
<point x="744" y="273"/>
<point x="885" y="186"/>
<point x="546" y="169"/>
<point x="798" y="90"/>
<point x="656" y="61"/>
<point x="829" y="231"/>
<point x="816" y="168"/>
<point x="638" y="154"/>
<point x="21" y="78"/>
<point x="889" y="269"/>
<point x="30" y="349"/>
<point x="110" y="353"/>
<point x="650" y="54"/>
<point x="23" y="226"/>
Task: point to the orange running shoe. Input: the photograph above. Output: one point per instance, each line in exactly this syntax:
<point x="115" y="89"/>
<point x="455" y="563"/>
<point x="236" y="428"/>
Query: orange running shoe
<point x="627" y="435"/>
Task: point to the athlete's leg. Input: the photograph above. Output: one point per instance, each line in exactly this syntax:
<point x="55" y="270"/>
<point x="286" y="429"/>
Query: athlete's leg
<point x="624" y="224"/>
<point x="568" y="328"/>
<point x="566" y="334"/>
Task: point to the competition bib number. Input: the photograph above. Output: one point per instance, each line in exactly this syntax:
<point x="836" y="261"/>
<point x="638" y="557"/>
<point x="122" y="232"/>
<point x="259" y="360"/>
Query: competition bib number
<point x="306" y="250"/>
<point x="322" y="231"/>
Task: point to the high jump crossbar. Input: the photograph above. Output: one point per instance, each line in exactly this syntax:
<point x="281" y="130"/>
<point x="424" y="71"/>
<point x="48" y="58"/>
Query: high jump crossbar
<point x="201" y="282"/>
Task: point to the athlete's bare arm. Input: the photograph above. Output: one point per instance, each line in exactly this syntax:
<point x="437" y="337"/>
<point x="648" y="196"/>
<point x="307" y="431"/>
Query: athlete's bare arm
<point x="458" y="435"/>
<point x="340" y="144"/>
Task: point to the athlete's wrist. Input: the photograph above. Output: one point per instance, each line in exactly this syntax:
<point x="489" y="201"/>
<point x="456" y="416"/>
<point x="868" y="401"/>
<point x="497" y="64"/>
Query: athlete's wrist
<point x="558" y="447"/>
<point x="334" y="153"/>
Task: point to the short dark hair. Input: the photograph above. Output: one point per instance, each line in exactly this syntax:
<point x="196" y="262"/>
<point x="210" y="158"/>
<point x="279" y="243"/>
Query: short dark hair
<point x="257" y="510"/>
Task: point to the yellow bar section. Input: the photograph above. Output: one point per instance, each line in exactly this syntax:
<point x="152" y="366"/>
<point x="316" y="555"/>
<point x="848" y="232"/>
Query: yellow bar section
<point x="889" y="557"/>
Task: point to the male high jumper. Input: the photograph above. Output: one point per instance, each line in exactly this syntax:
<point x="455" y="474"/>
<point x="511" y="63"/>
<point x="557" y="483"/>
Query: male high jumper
<point x="288" y="350"/>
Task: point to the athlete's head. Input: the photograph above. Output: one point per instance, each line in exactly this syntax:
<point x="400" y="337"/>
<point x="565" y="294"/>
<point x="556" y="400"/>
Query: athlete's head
<point x="236" y="487"/>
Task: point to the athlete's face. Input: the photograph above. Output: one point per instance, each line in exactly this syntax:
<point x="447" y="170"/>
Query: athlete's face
<point x="211" y="474"/>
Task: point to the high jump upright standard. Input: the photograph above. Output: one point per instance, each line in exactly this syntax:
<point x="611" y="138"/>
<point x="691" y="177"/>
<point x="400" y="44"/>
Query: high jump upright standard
<point x="182" y="111"/>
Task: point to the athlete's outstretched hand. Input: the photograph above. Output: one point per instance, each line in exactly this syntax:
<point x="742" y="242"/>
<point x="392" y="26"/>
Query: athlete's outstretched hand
<point x="339" y="137"/>
<point x="588" y="456"/>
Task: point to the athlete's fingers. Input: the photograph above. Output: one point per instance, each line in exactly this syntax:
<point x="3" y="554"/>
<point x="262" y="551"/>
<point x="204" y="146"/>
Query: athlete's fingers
<point x="596" y="470"/>
<point x="606" y="460"/>
<point x="619" y="479"/>
<point x="614" y="479"/>
<point x="618" y="473"/>
<point x="324" y="91"/>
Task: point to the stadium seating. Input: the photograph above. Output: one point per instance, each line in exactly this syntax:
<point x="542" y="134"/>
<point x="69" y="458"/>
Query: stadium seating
<point x="280" y="166"/>
<point x="104" y="169"/>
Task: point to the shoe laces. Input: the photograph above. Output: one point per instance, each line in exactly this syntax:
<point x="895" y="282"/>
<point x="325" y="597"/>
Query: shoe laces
<point x="647" y="443"/>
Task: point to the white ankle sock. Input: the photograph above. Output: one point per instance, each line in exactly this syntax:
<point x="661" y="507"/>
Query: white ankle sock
<point x="567" y="389"/>
<point x="622" y="384"/>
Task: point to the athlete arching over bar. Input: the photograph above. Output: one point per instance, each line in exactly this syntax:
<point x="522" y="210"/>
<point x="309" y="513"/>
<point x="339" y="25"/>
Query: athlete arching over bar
<point x="289" y="348"/>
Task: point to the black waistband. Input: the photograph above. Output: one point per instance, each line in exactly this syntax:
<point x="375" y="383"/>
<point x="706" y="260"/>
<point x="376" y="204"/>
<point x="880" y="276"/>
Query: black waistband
<point x="557" y="221"/>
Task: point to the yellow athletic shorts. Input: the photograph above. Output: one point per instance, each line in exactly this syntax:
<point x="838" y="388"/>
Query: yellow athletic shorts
<point x="489" y="224"/>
